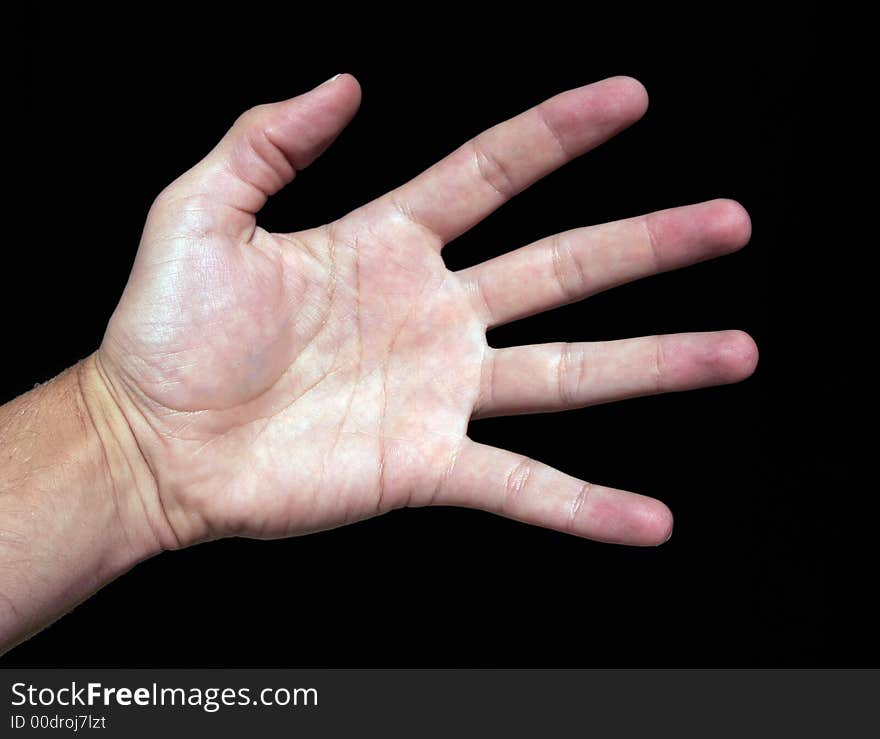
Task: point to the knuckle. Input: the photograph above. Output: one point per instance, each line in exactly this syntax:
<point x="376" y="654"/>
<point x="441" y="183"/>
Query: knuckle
<point x="653" y="244"/>
<point x="577" y="505"/>
<point x="569" y="375"/>
<point x="252" y="114"/>
<point x="484" y="399"/>
<point x="659" y="365"/>
<point x="492" y="170"/>
<point x="567" y="269"/>
<point x="553" y="131"/>
<point x="516" y="482"/>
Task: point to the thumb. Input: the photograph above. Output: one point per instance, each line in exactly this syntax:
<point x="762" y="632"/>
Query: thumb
<point x="267" y="145"/>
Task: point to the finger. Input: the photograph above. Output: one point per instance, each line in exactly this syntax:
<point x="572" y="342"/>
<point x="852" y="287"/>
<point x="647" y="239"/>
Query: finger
<point x="462" y="189"/>
<point x="573" y="265"/>
<point x="265" y="148"/>
<point x="552" y="377"/>
<point x="517" y="487"/>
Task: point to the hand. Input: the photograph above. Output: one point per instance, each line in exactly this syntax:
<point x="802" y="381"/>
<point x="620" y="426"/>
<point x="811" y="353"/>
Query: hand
<point x="277" y="384"/>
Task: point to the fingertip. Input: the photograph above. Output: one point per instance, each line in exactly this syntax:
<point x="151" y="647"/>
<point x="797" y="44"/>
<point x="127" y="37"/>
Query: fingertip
<point x="349" y="82"/>
<point x="737" y="355"/>
<point x="666" y="523"/>
<point x="656" y="524"/>
<point x="343" y="87"/>
<point x="731" y="224"/>
<point x="622" y="517"/>
<point x="633" y="91"/>
<point x="633" y="88"/>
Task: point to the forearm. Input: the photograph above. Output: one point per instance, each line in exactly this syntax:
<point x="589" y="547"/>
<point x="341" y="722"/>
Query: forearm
<point x="72" y="492"/>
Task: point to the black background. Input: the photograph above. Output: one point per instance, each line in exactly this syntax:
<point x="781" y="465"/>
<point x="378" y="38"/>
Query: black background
<point x="112" y="108"/>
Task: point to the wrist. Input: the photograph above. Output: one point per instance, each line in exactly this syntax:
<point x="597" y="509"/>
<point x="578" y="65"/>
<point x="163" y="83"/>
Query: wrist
<point x="128" y="476"/>
<point x="72" y="492"/>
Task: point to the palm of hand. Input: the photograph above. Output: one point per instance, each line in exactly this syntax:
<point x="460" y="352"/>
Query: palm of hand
<point x="282" y="384"/>
<point x="339" y="367"/>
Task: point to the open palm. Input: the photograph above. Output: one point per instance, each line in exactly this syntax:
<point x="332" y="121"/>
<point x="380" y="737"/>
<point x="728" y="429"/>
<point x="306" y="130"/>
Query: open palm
<point x="283" y="383"/>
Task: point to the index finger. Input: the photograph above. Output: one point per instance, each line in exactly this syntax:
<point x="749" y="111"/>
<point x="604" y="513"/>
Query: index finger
<point x="459" y="191"/>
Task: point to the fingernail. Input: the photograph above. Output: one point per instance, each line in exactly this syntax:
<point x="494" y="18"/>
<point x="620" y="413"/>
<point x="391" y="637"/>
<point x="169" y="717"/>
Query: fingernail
<point x="327" y="82"/>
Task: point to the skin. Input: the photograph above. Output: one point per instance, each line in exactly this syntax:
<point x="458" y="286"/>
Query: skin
<point x="269" y="385"/>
